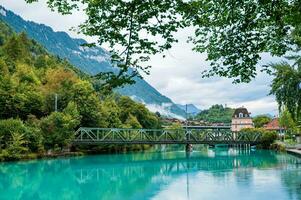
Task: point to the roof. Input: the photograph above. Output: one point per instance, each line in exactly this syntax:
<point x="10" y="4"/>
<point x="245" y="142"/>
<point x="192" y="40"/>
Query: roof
<point x="242" y="110"/>
<point x="273" y="125"/>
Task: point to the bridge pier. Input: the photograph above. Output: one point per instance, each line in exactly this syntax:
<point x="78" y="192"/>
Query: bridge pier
<point x="188" y="148"/>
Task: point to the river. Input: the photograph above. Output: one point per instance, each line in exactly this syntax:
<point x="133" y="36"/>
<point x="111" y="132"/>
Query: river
<point x="219" y="174"/>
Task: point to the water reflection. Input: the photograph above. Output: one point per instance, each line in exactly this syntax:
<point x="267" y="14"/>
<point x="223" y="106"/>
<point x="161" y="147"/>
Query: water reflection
<point x="210" y="174"/>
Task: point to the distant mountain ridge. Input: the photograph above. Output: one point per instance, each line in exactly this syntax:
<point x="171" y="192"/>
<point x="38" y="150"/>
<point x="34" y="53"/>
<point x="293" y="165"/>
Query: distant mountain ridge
<point x="90" y="60"/>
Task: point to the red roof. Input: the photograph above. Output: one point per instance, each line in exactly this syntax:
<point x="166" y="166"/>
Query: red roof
<point x="273" y="125"/>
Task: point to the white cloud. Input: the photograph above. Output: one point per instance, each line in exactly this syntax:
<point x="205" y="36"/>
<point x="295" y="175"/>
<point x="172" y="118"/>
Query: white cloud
<point x="177" y="76"/>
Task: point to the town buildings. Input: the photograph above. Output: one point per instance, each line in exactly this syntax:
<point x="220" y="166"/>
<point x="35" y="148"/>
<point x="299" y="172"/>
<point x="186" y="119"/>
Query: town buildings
<point x="241" y="119"/>
<point x="274" y="126"/>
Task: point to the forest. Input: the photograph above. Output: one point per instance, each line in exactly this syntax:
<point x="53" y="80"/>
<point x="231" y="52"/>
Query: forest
<point x="31" y="78"/>
<point x="216" y="114"/>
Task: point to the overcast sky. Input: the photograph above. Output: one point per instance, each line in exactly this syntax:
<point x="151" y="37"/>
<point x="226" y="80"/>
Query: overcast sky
<point x="177" y="76"/>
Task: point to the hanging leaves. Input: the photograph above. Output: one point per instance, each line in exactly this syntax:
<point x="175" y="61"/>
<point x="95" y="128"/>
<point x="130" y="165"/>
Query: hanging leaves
<point x="285" y="87"/>
<point x="232" y="33"/>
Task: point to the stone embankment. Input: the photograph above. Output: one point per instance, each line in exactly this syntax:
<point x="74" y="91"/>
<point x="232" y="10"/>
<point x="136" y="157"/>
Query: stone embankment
<point x="295" y="151"/>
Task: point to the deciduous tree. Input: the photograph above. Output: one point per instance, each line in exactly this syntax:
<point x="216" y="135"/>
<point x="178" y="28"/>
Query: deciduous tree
<point x="261" y="120"/>
<point x="232" y="33"/>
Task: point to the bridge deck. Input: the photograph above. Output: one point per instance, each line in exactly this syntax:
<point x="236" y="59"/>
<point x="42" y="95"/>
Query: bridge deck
<point x="95" y="136"/>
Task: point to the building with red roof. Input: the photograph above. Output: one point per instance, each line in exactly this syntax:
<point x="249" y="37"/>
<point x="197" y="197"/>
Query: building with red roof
<point x="274" y="125"/>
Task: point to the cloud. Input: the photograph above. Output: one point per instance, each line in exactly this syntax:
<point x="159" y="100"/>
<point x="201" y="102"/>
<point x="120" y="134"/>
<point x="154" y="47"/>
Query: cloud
<point x="177" y="76"/>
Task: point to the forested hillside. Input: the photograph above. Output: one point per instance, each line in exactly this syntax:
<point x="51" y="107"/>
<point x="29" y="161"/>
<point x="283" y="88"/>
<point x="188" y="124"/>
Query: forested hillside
<point x="29" y="80"/>
<point x="216" y="114"/>
<point x="89" y="60"/>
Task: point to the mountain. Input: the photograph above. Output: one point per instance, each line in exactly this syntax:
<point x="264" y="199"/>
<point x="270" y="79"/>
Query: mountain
<point x="90" y="60"/>
<point x="191" y="109"/>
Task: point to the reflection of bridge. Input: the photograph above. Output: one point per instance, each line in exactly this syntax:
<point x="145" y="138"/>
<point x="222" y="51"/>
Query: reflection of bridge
<point x="119" y="168"/>
<point x="206" y="135"/>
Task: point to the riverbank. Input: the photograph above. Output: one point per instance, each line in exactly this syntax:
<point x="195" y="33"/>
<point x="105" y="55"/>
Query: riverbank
<point x="295" y="152"/>
<point x="37" y="156"/>
<point x="115" y="149"/>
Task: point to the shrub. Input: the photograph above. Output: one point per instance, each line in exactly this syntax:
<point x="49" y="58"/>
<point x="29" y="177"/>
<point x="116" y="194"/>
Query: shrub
<point x="58" y="128"/>
<point x="15" y="139"/>
<point x="10" y="128"/>
<point x="17" y="146"/>
<point x="267" y="137"/>
<point x="278" y="147"/>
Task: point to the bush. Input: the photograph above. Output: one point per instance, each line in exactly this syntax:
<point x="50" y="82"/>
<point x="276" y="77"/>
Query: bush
<point x="17" y="146"/>
<point x="277" y="147"/>
<point x="17" y="139"/>
<point x="267" y="137"/>
<point x="58" y="128"/>
<point x="10" y="129"/>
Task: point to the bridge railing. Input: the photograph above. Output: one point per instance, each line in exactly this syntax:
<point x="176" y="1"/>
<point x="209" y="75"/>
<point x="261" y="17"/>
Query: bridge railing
<point x="163" y="136"/>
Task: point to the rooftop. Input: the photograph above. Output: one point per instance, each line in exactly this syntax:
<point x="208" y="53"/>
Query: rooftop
<point x="273" y="125"/>
<point x="241" y="113"/>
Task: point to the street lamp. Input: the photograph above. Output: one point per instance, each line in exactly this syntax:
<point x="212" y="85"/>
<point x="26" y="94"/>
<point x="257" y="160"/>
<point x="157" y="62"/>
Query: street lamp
<point x="55" y="102"/>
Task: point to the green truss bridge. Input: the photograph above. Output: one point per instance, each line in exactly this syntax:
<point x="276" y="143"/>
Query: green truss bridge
<point x="199" y="135"/>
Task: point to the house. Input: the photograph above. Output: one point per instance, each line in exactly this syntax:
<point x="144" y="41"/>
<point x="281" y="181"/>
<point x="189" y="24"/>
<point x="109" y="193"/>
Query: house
<point x="274" y="126"/>
<point x="241" y="119"/>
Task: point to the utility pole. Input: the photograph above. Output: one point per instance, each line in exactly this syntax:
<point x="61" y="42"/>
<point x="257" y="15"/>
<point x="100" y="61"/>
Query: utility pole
<point x="186" y="116"/>
<point x="55" y="103"/>
<point x="188" y="146"/>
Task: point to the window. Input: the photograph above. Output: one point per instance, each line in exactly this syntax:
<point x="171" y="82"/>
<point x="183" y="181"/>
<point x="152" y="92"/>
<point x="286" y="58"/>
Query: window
<point x="241" y="115"/>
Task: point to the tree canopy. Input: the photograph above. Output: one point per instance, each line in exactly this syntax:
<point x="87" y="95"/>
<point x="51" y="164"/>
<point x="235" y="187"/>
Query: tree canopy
<point x="30" y="78"/>
<point x="216" y="114"/>
<point x="286" y="87"/>
<point x="287" y="121"/>
<point x="232" y="33"/>
<point x="260" y="120"/>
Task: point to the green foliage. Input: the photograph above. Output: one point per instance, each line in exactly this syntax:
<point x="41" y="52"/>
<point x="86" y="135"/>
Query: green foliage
<point x="29" y="80"/>
<point x="175" y="126"/>
<point x="216" y="114"/>
<point x="286" y="120"/>
<point x="58" y="128"/>
<point x="260" y="120"/>
<point x="13" y="129"/>
<point x="132" y="122"/>
<point x="278" y="147"/>
<point x="232" y="33"/>
<point x="89" y="105"/>
<point x="138" y="110"/>
<point x="267" y="137"/>
<point x="285" y="87"/>
<point x="6" y="31"/>
<point x="19" y="84"/>
<point x="130" y="29"/>
<point x="14" y="49"/>
<point x="112" y="113"/>
<point x="17" y="146"/>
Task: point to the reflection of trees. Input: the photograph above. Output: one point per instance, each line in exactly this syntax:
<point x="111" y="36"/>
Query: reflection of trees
<point x="34" y="179"/>
<point x="291" y="179"/>
<point x="128" y="176"/>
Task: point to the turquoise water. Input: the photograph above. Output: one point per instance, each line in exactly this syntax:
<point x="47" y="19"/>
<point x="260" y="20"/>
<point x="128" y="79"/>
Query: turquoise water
<point x="209" y="174"/>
